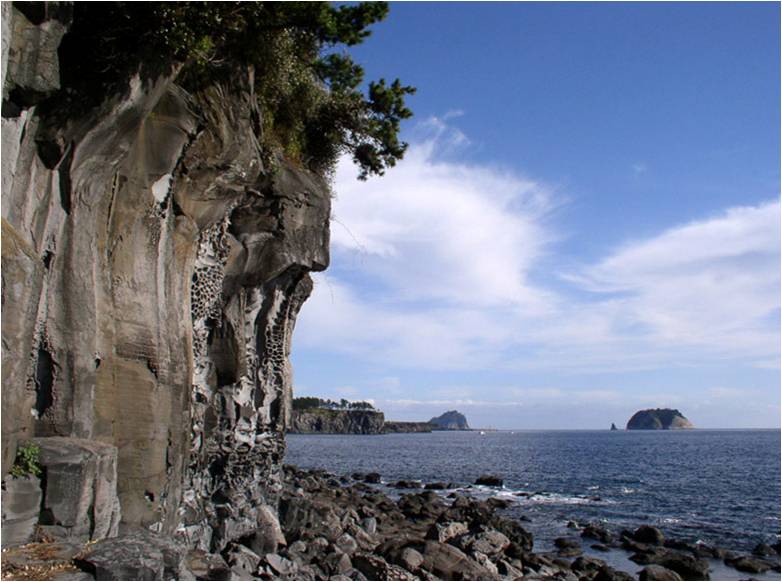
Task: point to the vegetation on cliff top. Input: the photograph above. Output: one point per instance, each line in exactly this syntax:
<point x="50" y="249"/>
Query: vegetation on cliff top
<point x="313" y="402"/>
<point x="309" y="89"/>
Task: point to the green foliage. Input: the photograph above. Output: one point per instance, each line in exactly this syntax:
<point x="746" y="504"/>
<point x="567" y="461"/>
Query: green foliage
<point x="314" y="403"/>
<point x="309" y="90"/>
<point x="26" y="462"/>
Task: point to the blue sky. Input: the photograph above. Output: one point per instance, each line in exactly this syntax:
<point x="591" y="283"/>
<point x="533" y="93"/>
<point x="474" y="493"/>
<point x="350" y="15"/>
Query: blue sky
<point x="586" y="223"/>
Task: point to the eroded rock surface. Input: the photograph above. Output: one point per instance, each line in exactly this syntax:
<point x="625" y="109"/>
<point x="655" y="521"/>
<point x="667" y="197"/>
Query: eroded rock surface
<point x="155" y="259"/>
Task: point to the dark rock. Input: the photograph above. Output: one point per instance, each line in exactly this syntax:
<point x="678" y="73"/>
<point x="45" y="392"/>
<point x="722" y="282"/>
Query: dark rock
<point x="587" y="564"/>
<point x="81" y="487"/>
<point x="498" y="503"/>
<point x="764" y="550"/>
<point x="655" y="572"/>
<point x="600" y="547"/>
<point x="373" y="567"/>
<point x="205" y="566"/>
<point x="404" y="484"/>
<point x="688" y="567"/>
<point x="489" y="480"/>
<point x="436" y="485"/>
<point x="597" y="532"/>
<point x="608" y="573"/>
<point x="21" y="506"/>
<point x="372" y="478"/>
<point x="338" y="563"/>
<point x="123" y="559"/>
<point x="243" y="558"/>
<point x="646" y="534"/>
<point x="752" y="564"/>
<point x="508" y="570"/>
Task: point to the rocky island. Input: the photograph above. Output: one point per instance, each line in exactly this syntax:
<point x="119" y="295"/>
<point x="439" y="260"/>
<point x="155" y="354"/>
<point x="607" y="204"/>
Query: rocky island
<point x="658" y="419"/>
<point x="451" y="420"/>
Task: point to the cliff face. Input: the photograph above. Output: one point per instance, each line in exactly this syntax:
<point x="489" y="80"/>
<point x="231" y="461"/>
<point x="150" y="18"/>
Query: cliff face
<point x="398" y="426"/>
<point x="153" y="268"/>
<point x="320" y="420"/>
<point x="658" y="419"/>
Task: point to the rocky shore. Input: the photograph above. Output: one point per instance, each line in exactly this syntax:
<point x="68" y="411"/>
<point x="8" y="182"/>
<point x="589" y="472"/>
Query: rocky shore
<point x="350" y="528"/>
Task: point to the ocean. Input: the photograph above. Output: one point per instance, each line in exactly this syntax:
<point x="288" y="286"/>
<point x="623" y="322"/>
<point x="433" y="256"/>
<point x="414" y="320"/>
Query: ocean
<point x="721" y="487"/>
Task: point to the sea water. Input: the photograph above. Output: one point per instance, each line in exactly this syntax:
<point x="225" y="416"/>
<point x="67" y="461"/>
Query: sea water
<point x="721" y="487"/>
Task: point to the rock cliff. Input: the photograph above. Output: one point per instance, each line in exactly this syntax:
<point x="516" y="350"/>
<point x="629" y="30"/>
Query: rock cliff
<point x="451" y="420"/>
<point x="154" y="262"/>
<point x="321" y="420"/>
<point x="399" y="426"/>
<point x="658" y="419"/>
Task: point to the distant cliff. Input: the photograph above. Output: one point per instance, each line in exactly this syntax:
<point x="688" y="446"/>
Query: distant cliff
<point x="658" y="419"/>
<point x="396" y="426"/>
<point x="321" y="420"/>
<point x="451" y="420"/>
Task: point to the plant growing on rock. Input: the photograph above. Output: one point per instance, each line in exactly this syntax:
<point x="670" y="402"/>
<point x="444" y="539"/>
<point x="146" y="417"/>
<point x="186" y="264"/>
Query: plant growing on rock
<point x="314" y="105"/>
<point x="27" y="461"/>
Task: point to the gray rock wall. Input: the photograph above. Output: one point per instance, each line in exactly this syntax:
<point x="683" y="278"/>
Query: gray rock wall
<point x="319" y="420"/>
<point x="154" y="263"/>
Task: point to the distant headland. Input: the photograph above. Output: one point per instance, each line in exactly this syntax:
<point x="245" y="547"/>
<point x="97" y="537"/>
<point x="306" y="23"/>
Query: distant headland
<point x="313" y="415"/>
<point x="658" y="419"/>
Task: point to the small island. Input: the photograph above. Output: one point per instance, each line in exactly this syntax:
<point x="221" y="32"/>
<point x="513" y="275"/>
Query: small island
<point x="659" y="419"/>
<point x="451" y="420"/>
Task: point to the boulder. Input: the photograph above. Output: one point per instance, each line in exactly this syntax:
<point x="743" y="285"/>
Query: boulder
<point x="373" y="567"/>
<point x="568" y="547"/>
<point x="338" y="563"/>
<point x="443" y="532"/>
<point x="489" y="480"/>
<point x="405" y="484"/>
<point x="281" y="566"/>
<point x="243" y="558"/>
<point x="205" y="566"/>
<point x="752" y="564"/>
<point x="437" y="485"/>
<point x="410" y="559"/>
<point x="489" y="542"/>
<point x="21" y="506"/>
<point x="597" y="532"/>
<point x="646" y="534"/>
<point x="587" y="564"/>
<point x="123" y="559"/>
<point x="449" y="563"/>
<point x="372" y="478"/>
<point x="764" y="550"/>
<point x="80" y="498"/>
<point x="346" y="544"/>
<point x="655" y="572"/>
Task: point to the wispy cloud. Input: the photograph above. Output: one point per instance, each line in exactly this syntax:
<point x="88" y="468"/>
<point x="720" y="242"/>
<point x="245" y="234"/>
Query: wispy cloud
<point x="433" y="268"/>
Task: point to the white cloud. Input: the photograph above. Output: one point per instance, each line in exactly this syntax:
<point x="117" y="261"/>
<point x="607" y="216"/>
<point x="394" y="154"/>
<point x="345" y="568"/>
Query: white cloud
<point x="433" y="262"/>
